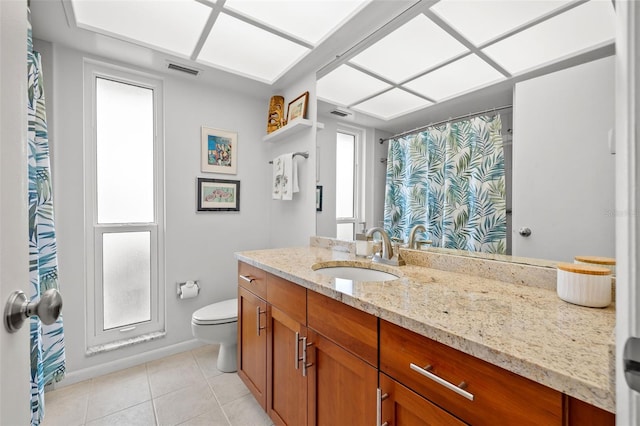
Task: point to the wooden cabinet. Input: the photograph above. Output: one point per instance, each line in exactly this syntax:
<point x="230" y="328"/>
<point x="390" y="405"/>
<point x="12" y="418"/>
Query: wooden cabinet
<point x="400" y="406"/>
<point x="343" y="376"/>
<point x="473" y="390"/>
<point x="286" y="352"/>
<point x="311" y="360"/>
<point x="252" y="344"/>
<point x="579" y="413"/>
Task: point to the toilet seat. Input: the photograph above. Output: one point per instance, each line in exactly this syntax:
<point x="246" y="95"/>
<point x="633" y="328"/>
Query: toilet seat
<point x="217" y="313"/>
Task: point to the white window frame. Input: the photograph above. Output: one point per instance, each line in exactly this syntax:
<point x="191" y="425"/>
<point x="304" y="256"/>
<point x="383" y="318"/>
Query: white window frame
<point x="99" y="339"/>
<point x="359" y="177"/>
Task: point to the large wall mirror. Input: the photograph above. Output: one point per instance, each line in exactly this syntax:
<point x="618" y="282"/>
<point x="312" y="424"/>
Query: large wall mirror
<point x="556" y="127"/>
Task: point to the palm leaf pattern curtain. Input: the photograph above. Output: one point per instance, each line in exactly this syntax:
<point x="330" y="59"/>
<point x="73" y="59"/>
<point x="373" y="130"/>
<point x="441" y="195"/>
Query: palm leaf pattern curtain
<point x="47" y="341"/>
<point x="449" y="178"/>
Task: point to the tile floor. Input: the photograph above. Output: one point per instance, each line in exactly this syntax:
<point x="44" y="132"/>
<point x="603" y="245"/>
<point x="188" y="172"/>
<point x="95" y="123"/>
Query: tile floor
<point x="183" y="389"/>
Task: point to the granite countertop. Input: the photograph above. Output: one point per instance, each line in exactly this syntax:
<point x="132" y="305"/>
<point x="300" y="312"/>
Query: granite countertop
<point x="522" y="328"/>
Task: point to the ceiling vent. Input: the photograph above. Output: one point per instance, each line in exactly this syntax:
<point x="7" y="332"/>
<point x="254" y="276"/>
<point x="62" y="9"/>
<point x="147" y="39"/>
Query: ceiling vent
<point x="182" y="68"/>
<point x="340" y="113"/>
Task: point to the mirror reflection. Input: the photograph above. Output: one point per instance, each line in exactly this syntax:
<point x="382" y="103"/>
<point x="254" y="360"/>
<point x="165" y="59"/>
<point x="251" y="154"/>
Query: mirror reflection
<point x="523" y="167"/>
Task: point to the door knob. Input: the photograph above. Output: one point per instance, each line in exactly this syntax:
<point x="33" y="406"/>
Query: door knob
<point x="18" y="309"/>
<point x="631" y="363"/>
<point x="525" y="232"/>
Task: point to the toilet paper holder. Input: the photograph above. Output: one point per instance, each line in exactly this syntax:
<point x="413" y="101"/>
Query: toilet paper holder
<point x="187" y="288"/>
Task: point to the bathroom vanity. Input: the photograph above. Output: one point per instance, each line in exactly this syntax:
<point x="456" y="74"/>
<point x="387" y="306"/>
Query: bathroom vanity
<point x="451" y="347"/>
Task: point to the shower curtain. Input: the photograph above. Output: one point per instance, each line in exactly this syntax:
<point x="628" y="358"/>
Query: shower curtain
<point x="47" y="341"/>
<point x="449" y="178"/>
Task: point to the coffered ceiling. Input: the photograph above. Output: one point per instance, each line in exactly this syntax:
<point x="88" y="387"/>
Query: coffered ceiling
<point x="382" y="58"/>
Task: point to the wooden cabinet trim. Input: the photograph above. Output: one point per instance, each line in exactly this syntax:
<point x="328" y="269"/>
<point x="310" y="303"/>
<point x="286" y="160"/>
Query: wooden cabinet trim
<point x="500" y="397"/>
<point x="354" y="330"/>
<point x="288" y="297"/>
<point x="258" y="279"/>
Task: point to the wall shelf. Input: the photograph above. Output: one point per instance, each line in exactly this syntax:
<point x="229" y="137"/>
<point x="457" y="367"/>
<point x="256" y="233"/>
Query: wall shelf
<point x="288" y="130"/>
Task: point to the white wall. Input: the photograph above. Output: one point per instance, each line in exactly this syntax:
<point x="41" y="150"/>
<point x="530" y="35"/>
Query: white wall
<point x="293" y="222"/>
<point x="563" y="171"/>
<point x="199" y="246"/>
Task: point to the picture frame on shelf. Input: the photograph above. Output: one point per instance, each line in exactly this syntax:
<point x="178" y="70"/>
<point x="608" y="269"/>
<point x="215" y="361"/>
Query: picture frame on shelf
<point x="318" y="198"/>
<point x="298" y="107"/>
<point x="219" y="195"/>
<point x="219" y="151"/>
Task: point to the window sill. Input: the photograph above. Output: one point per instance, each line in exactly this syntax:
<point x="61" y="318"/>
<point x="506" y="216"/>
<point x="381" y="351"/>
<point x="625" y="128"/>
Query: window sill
<point x="112" y="346"/>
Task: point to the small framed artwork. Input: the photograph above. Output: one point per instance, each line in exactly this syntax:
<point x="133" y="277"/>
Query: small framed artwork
<point x="318" y="198"/>
<point x="298" y="107"/>
<point x="219" y="195"/>
<point x="219" y="151"/>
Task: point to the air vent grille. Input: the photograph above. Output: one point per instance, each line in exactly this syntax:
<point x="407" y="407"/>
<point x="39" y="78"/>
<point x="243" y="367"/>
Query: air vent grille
<point x="184" y="69"/>
<point x="340" y="113"/>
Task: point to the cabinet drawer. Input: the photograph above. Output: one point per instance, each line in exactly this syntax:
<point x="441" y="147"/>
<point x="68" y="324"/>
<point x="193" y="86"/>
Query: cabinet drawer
<point x="253" y="279"/>
<point x="350" y="328"/>
<point x="499" y="396"/>
<point x="288" y="297"/>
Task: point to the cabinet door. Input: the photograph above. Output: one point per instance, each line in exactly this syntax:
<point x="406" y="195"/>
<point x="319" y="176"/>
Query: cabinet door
<point x="403" y="407"/>
<point x="287" y="387"/>
<point x="342" y="387"/>
<point x="252" y="344"/>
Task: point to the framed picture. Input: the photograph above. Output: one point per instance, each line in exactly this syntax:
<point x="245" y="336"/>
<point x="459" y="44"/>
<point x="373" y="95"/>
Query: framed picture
<point x="298" y="107"/>
<point x="219" y="151"/>
<point x="318" y="198"/>
<point x="218" y="195"/>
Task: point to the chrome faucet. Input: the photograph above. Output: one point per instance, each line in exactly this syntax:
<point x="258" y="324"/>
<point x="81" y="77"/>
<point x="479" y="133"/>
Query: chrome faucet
<point x="386" y="252"/>
<point x="413" y="244"/>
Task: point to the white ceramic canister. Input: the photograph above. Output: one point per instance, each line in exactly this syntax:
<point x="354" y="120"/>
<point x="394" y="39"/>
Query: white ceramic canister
<point x="605" y="262"/>
<point x="584" y="285"/>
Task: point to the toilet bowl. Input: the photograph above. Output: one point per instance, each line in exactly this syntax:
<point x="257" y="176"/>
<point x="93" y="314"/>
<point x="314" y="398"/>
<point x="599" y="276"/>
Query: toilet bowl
<point x="218" y="323"/>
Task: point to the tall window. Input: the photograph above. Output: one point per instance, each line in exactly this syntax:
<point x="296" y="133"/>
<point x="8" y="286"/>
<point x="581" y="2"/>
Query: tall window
<point x="348" y="194"/>
<point x="124" y="205"/>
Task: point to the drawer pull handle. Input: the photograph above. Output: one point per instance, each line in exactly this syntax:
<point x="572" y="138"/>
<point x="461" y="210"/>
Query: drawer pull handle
<point x="296" y="355"/>
<point x="457" y="389"/>
<point x="247" y="278"/>
<point x="258" y="327"/>
<point x="305" y="366"/>
<point x="381" y="397"/>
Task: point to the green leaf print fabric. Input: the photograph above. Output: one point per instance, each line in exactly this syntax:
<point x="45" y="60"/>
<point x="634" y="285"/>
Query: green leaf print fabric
<point x="449" y="178"/>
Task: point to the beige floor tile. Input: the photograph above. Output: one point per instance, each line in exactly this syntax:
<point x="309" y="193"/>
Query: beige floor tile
<point x="174" y="373"/>
<point x="138" y="415"/>
<point x="214" y="417"/>
<point x="67" y="406"/>
<point x="184" y="404"/>
<point x="227" y="387"/>
<point x="246" y="411"/>
<point x="118" y="391"/>
<point x="207" y="359"/>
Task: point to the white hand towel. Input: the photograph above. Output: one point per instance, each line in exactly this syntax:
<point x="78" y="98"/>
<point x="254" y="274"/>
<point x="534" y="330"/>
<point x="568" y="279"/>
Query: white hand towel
<point x="287" y="176"/>
<point x="276" y="184"/>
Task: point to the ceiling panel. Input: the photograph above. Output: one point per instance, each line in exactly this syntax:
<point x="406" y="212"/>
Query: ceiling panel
<point x="392" y="104"/>
<point x="582" y="27"/>
<point x="458" y="77"/>
<point x="309" y="20"/>
<point x="346" y="85"/>
<point x="413" y="48"/>
<point x="242" y="48"/>
<point x="481" y="21"/>
<point x="170" y="26"/>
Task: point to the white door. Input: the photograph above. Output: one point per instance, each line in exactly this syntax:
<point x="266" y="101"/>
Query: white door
<point x="14" y="260"/>
<point x="627" y="201"/>
<point x="563" y="169"/>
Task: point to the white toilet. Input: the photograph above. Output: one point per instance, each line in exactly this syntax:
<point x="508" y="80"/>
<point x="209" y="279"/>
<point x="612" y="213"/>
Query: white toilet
<point x="218" y="323"/>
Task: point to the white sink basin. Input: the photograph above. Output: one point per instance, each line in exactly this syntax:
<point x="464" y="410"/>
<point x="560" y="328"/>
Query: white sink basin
<point x="355" y="273"/>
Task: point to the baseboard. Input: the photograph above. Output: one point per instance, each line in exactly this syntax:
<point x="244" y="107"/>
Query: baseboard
<point x="128" y="362"/>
